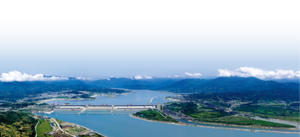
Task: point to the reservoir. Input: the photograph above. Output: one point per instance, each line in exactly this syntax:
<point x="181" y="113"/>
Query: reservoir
<point x="120" y="124"/>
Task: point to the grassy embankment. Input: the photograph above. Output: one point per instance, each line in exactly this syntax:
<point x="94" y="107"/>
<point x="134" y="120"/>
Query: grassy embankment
<point x="154" y="115"/>
<point x="270" y="112"/>
<point x="43" y="128"/>
<point x="210" y="115"/>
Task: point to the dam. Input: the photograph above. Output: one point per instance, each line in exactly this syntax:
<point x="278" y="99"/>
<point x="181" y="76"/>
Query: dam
<point x="101" y="107"/>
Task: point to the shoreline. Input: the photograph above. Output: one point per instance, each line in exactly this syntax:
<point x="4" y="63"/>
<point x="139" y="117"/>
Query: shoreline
<point x="46" y="100"/>
<point x="242" y="126"/>
<point x="173" y="99"/>
<point x="81" y="126"/>
<point x="227" y="128"/>
<point x="95" y="95"/>
<point x="89" y="129"/>
<point x="131" y="115"/>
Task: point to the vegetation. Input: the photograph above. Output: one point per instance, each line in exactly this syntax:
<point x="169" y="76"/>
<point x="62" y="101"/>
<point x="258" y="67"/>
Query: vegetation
<point x="217" y="103"/>
<point x="17" y="124"/>
<point x="271" y="112"/>
<point x="268" y="110"/>
<point x="75" y="130"/>
<point x="245" y="121"/>
<point x="154" y="115"/>
<point x="17" y="105"/>
<point x="13" y="91"/>
<point x="43" y="128"/>
<point x="206" y="114"/>
<point x="86" y="96"/>
<point x="221" y="88"/>
<point x="295" y="105"/>
<point x="196" y="111"/>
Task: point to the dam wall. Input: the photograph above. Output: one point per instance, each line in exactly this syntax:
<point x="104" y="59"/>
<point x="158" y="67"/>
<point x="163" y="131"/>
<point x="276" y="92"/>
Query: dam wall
<point x="102" y="107"/>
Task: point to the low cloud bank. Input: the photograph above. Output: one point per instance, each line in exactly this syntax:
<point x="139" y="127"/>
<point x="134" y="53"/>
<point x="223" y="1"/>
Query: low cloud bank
<point x="18" y="76"/>
<point x="259" y="73"/>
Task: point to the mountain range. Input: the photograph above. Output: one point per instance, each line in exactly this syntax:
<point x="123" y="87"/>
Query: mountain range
<point x="232" y="85"/>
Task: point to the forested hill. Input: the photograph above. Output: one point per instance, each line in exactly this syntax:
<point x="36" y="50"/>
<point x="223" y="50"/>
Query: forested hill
<point x="228" y="84"/>
<point x="13" y="91"/>
<point x="185" y="85"/>
<point x="217" y="85"/>
<point x="237" y="88"/>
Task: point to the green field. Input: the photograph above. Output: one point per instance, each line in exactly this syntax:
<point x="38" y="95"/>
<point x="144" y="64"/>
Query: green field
<point x="43" y="128"/>
<point x="268" y="110"/>
<point x="271" y="112"/>
<point x="206" y="114"/>
<point x="154" y="115"/>
<point x="220" y="104"/>
<point x="196" y="111"/>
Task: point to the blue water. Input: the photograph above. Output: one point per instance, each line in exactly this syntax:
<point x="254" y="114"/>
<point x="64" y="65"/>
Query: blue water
<point x="136" y="98"/>
<point x="120" y="124"/>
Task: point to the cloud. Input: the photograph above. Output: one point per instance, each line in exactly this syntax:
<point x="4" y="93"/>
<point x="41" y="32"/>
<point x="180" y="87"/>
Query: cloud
<point x="141" y="77"/>
<point x="83" y="78"/>
<point x="193" y="74"/>
<point x="18" y="76"/>
<point x="259" y="73"/>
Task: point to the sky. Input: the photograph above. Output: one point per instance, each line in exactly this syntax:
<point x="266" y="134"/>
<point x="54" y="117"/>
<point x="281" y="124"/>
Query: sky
<point x="100" y="39"/>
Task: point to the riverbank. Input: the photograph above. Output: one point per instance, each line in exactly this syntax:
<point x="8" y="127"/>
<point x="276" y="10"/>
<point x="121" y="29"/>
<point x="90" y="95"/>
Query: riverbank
<point x="58" y="122"/>
<point x="89" y="129"/>
<point x="131" y="115"/>
<point x="214" y="127"/>
<point x="234" y="125"/>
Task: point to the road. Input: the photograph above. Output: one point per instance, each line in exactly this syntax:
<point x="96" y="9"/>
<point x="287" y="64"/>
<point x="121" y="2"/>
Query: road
<point x="35" y="128"/>
<point x="61" y="129"/>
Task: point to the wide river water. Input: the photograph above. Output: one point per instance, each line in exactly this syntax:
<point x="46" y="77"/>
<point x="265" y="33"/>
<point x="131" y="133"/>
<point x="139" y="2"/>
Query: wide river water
<point x="120" y="124"/>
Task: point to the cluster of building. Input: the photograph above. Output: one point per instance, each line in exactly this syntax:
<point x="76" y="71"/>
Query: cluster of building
<point x="51" y="95"/>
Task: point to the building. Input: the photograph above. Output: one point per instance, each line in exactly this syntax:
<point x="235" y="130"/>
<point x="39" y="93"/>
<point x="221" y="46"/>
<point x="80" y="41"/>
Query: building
<point x="66" y="125"/>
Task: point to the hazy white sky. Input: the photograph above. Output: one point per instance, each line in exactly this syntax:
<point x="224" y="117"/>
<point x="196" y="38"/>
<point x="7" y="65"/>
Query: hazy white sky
<point x="98" y="38"/>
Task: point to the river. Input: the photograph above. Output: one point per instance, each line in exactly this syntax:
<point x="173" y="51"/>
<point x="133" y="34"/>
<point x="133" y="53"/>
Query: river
<point x="120" y="124"/>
